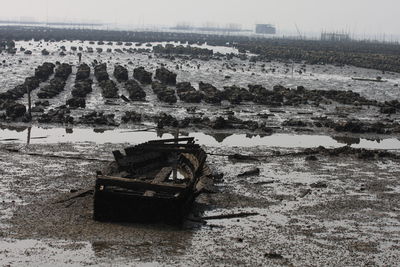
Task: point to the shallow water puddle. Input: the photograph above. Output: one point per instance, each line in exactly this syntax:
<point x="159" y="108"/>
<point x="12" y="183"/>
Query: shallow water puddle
<point x="37" y="135"/>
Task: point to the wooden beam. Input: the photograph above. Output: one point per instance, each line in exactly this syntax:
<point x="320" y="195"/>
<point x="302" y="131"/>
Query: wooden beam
<point x="135" y="184"/>
<point x="162" y="175"/>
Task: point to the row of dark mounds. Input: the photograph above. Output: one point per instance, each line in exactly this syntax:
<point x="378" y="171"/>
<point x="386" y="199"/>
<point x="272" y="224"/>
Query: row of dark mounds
<point x="350" y="126"/>
<point x="182" y="50"/>
<point x="279" y="96"/>
<point x="108" y="87"/>
<point x="56" y="84"/>
<point x="14" y="110"/>
<point x="360" y="153"/>
<point x="62" y="115"/>
<point x="232" y="122"/>
<point x="55" y="35"/>
<point x="218" y="123"/>
<point x="135" y="91"/>
<point x="382" y="56"/>
<point x="82" y="87"/>
<point x="103" y="37"/>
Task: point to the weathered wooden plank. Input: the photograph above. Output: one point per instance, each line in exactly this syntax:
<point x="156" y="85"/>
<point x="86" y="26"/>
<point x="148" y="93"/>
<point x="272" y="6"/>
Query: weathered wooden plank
<point x="134" y="184"/>
<point x="149" y="193"/>
<point x="136" y="159"/>
<point x="163" y="175"/>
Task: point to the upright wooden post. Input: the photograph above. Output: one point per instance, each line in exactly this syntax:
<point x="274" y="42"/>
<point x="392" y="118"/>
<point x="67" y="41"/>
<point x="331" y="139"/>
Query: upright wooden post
<point x="28" y="140"/>
<point x="175" y="170"/>
<point x="29" y="103"/>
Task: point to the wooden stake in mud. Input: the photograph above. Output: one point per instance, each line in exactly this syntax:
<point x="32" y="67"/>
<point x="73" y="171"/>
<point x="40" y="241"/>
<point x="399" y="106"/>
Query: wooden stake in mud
<point x="28" y="139"/>
<point x="29" y="102"/>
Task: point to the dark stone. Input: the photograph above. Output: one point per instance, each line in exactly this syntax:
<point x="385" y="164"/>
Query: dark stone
<point x="82" y="88"/>
<point x="188" y="93"/>
<point x="100" y="72"/>
<point x="131" y="116"/>
<point x="311" y="158"/>
<point x="165" y="76"/>
<point x="136" y="92"/>
<point x="83" y="72"/>
<point x="76" y="102"/>
<point x="44" y="71"/>
<point x="211" y="94"/>
<point x="55" y="86"/>
<point x="142" y="75"/>
<point x="109" y="89"/>
<point x="251" y="172"/>
<point x="120" y="73"/>
<point x="15" y="110"/>
<point x="98" y="118"/>
<point x="164" y="93"/>
<point x="63" y="71"/>
<point x="319" y="185"/>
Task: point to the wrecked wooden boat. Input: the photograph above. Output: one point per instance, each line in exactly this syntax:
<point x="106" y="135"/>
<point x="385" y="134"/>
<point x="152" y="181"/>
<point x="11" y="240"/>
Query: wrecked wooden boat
<point x="156" y="181"/>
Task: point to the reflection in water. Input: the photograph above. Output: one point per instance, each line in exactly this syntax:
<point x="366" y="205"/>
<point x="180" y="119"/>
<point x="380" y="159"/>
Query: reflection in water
<point x="220" y="137"/>
<point x="96" y="130"/>
<point x="13" y="128"/>
<point x="39" y="135"/>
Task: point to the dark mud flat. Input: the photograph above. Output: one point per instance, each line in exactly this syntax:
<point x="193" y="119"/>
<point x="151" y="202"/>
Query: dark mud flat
<point x="333" y="209"/>
<point x="315" y="206"/>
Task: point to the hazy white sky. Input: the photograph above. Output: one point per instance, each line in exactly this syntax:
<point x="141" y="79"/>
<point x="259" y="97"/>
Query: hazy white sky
<point x="359" y="16"/>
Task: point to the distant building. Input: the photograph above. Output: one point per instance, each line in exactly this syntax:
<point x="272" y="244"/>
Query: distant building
<point x="265" y="29"/>
<point x="335" y="37"/>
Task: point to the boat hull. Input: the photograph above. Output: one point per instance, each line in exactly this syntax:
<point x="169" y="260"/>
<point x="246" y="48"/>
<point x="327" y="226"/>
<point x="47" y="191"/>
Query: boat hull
<point x="117" y="206"/>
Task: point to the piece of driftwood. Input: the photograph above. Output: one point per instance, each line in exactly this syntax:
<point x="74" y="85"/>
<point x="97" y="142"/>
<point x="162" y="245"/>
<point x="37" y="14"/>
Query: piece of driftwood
<point x="78" y="194"/>
<point x="125" y="98"/>
<point x="251" y="172"/>
<point x="378" y="79"/>
<point x="240" y="157"/>
<point x="225" y="216"/>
